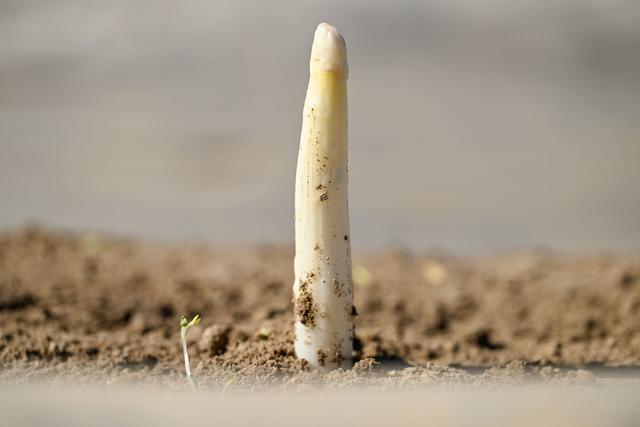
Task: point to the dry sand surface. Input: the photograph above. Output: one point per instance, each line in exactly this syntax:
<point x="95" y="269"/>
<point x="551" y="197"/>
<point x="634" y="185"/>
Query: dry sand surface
<point x="95" y="310"/>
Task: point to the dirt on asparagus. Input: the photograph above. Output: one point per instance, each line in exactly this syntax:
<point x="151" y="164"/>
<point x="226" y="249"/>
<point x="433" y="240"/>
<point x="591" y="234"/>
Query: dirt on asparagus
<point x="92" y="309"/>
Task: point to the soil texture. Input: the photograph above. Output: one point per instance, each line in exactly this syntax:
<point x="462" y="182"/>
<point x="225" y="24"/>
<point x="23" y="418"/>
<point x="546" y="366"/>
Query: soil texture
<point x="96" y="309"/>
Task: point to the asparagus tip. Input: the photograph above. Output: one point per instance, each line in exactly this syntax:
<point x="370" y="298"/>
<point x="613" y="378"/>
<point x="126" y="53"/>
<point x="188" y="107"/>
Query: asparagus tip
<point x="329" y="51"/>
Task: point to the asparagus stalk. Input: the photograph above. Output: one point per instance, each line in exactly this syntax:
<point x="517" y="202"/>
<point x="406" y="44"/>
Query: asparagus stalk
<point x="323" y="295"/>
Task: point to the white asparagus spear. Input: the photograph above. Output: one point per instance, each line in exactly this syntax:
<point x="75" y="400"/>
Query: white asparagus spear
<point x="323" y="295"/>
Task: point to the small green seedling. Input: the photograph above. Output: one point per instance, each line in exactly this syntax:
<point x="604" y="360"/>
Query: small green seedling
<point x="184" y="326"/>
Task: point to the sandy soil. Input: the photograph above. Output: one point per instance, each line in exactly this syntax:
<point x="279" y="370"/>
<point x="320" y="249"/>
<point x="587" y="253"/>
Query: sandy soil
<point x="101" y="310"/>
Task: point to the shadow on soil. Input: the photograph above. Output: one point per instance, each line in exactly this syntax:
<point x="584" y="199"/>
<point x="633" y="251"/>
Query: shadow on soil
<point x="389" y="363"/>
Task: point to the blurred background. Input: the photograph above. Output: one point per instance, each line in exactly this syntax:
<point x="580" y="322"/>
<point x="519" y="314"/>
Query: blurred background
<point x="474" y="126"/>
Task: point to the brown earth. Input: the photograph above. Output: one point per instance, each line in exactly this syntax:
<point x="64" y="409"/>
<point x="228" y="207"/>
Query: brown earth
<point x="106" y="311"/>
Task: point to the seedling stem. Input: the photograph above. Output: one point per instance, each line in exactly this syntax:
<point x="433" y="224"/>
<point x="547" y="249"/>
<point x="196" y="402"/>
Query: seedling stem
<point x="184" y="326"/>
